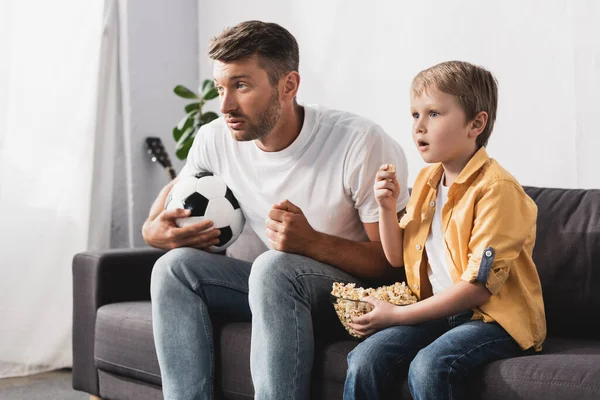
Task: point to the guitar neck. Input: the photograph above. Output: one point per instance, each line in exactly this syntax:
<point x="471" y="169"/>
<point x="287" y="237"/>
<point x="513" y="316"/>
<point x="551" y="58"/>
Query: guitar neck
<point x="171" y="172"/>
<point x="159" y="155"/>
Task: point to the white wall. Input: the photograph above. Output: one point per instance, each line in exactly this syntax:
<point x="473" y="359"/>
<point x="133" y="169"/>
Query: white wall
<point x="159" y="50"/>
<point x="361" y="57"/>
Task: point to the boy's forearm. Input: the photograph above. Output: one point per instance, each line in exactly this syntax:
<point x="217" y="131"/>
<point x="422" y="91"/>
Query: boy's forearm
<point x="459" y="297"/>
<point x="391" y="237"/>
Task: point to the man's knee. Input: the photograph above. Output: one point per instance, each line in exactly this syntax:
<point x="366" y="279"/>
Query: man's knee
<point x="271" y="269"/>
<point x="174" y="268"/>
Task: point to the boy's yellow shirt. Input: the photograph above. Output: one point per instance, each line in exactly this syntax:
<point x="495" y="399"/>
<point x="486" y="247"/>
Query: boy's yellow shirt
<point x="489" y="225"/>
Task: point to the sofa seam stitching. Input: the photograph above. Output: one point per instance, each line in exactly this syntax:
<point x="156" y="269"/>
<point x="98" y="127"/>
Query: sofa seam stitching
<point x="126" y="367"/>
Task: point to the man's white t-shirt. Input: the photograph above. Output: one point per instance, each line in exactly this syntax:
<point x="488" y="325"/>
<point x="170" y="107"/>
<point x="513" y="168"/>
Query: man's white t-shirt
<point x="328" y="171"/>
<point x="439" y="275"/>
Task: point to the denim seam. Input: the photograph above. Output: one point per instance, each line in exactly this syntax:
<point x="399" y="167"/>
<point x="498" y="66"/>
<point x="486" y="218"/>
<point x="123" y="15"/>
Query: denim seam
<point x="297" y="346"/>
<point x="315" y="274"/>
<point x="217" y="283"/>
<point x="207" y="322"/>
<point x="465" y="354"/>
<point x="126" y="367"/>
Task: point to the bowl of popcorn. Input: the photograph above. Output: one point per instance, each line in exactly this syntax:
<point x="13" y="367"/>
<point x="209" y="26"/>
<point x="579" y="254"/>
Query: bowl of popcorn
<point x="348" y="300"/>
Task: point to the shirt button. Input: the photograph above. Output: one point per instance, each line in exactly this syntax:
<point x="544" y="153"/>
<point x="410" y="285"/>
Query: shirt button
<point x="418" y="247"/>
<point x="416" y="287"/>
<point x="488" y="253"/>
<point x="432" y="204"/>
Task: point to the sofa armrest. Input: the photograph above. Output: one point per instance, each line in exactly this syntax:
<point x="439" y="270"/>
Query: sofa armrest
<point x="100" y="278"/>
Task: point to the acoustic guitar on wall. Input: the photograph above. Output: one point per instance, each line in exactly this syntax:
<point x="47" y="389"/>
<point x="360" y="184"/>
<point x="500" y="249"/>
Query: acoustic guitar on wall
<point x="157" y="151"/>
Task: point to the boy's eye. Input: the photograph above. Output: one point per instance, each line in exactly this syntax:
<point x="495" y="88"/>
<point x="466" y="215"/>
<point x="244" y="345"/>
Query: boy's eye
<point x="415" y="115"/>
<point x="434" y="114"/>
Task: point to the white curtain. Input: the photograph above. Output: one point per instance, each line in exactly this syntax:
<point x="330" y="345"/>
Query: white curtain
<point x="57" y="102"/>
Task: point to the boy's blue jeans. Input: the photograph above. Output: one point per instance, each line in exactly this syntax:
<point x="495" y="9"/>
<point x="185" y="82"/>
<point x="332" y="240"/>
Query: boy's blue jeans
<point x="289" y="298"/>
<point x="440" y="356"/>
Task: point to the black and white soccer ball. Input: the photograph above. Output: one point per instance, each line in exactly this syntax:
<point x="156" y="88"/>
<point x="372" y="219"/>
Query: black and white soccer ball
<point x="208" y="197"/>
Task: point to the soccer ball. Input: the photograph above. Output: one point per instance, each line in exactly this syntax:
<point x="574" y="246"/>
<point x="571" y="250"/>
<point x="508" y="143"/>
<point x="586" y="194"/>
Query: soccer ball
<point x="208" y="197"/>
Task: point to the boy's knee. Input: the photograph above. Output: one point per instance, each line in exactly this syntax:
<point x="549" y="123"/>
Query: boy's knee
<point x="364" y="362"/>
<point x="424" y="366"/>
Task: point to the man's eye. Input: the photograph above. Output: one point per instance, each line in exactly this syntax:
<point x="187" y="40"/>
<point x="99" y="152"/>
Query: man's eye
<point x="434" y="114"/>
<point x="220" y="89"/>
<point x="241" y="85"/>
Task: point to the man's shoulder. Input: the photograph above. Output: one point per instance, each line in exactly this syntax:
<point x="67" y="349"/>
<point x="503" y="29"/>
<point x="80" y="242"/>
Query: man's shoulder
<point x="344" y="121"/>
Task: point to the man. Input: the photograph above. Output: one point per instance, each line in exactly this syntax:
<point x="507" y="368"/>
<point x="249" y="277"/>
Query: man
<point x="303" y="177"/>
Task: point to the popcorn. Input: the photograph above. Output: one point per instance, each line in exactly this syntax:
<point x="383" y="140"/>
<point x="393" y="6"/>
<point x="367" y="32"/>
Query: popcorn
<point x="391" y="168"/>
<point x="350" y="300"/>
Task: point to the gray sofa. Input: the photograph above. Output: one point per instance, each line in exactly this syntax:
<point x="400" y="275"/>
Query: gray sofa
<point x="113" y="350"/>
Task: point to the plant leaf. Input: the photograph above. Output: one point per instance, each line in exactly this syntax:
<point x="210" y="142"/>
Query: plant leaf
<point x="176" y="134"/>
<point x="207" y="85"/>
<point x="188" y="120"/>
<point x="183" y="121"/>
<point x="183" y="152"/>
<point x="184" y="92"/>
<point x="192" y="106"/>
<point x="186" y="135"/>
<point x="211" y="94"/>
<point x="208" y="117"/>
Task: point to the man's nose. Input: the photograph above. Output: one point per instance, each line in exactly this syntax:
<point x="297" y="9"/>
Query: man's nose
<point x="228" y="103"/>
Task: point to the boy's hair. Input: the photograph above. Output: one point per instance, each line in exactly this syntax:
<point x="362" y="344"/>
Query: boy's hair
<point x="275" y="47"/>
<point x="475" y="89"/>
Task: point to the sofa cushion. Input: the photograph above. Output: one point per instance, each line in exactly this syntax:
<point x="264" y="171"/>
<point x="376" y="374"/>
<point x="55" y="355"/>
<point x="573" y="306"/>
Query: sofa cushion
<point x="124" y="341"/>
<point x="125" y="347"/>
<point x="567" y="256"/>
<point x="566" y="368"/>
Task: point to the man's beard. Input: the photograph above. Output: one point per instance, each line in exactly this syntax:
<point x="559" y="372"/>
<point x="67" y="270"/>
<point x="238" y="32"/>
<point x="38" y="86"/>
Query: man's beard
<point x="267" y="120"/>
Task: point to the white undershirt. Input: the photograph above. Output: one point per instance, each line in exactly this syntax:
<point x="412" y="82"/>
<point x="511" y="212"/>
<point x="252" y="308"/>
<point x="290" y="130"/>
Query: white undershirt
<point x="438" y="272"/>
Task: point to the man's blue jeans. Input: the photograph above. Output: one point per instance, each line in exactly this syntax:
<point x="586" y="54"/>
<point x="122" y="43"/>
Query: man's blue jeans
<point x="440" y="356"/>
<point x="286" y="295"/>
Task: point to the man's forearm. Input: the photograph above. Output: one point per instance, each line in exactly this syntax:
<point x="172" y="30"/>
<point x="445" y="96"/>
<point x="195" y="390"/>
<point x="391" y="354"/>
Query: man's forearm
<point x="362" y="259"/>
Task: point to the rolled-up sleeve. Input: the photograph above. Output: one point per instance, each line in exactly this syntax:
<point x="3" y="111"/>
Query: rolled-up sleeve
<point x="503" y="219"/>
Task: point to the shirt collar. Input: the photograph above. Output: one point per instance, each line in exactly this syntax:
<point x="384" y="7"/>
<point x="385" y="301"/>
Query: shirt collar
<point x="479" y="159"/>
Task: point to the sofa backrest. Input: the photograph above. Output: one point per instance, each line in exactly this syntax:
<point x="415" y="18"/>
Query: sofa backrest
<point x="567" y="256"/>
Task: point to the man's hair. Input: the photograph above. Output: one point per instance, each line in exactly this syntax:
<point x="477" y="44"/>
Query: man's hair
<point x="275" y="47"/>
<point x="475" y="89"/>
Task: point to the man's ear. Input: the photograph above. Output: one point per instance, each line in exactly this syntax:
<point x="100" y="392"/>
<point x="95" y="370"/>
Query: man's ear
<point x="478" y="124"/>
<point x="291" y="83"/>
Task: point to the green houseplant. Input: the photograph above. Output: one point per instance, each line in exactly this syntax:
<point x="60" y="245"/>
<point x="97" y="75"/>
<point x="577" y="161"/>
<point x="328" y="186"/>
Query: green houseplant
<point x="185" y="131"/>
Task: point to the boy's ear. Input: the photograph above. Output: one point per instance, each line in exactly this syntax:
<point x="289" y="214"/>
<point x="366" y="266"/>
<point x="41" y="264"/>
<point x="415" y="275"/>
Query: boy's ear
<point x="291" y="83"/>
<point x="478" y="124"/>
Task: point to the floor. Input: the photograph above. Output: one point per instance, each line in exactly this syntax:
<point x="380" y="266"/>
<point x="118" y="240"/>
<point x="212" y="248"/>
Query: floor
<point x="54" y="385"/>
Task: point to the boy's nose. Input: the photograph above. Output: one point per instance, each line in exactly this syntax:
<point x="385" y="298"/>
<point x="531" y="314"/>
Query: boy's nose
<point x="420" y="127"/>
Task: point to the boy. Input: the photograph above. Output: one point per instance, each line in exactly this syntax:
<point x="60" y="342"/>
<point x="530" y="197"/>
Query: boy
<point x="466" y="243"/>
